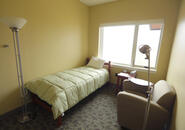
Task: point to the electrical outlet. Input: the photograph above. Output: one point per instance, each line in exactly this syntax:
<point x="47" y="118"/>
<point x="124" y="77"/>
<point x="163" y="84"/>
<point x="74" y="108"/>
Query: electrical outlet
<point x="5" y="46"/>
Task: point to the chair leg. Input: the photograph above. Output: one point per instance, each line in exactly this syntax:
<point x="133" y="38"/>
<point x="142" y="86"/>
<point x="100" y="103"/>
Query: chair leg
<point x="59" y="121"/>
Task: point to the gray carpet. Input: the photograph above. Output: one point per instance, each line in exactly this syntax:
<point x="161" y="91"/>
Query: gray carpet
<point x="96" y="112"/>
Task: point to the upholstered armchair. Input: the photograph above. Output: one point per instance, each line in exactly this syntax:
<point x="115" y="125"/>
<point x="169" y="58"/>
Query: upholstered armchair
<point x="131" y="107"/>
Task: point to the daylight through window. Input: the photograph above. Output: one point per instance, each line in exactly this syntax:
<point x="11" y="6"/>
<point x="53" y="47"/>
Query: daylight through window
<point x="120" y="43"/>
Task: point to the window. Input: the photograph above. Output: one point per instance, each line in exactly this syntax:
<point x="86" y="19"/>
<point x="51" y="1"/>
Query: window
<point x="120" y="43"/>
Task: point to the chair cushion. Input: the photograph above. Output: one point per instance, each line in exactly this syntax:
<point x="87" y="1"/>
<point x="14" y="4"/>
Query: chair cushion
<point x="164" y="94"/>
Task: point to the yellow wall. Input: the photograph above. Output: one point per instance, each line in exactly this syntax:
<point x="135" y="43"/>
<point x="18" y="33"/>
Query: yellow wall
<point x="176" y="71"/>
<point x="133" y="10"/>
<point x="54" y="39"/>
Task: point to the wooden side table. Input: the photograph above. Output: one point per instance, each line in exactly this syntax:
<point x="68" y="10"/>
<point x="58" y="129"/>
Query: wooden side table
<point x="120" y="78"/>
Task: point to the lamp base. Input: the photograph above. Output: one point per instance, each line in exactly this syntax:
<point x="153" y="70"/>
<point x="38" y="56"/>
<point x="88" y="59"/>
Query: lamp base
<point x="24" y="118"/>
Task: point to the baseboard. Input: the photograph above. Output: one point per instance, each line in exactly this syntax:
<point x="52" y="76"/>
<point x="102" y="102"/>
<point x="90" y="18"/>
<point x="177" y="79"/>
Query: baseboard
<point x="14" y="111"/>
<point x="17" y="110"/>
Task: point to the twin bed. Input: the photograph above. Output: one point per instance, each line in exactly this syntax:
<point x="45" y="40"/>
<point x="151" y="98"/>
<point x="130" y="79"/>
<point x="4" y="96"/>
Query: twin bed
<point x="61" y="91"/>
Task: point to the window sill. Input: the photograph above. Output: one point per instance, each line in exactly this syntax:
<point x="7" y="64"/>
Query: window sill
<point x="141" y="69"/>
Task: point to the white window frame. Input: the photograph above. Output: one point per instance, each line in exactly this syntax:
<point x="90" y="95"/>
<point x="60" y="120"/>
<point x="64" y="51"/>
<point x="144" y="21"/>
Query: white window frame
<point x="136" y="23"/>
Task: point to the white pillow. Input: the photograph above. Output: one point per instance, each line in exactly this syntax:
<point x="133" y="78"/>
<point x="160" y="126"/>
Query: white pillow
<point x="96" y="63"/>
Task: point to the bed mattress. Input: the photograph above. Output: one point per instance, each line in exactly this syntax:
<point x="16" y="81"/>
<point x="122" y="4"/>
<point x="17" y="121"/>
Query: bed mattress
<point x="63" y="90"/>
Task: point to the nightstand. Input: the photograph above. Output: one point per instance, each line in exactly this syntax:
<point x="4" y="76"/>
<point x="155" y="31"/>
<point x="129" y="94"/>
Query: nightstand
<point x="120" y="78"/>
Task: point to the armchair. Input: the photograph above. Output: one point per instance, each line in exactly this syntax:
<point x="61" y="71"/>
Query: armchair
<point x="131" y="108"/>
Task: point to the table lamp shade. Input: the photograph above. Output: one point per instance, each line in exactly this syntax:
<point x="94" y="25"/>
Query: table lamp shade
<point x="13" y="22"/>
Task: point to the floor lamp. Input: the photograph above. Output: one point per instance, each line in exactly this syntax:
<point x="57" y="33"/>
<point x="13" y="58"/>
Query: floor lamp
<point x="145" y="49"/>
<point x="15" y="24"/>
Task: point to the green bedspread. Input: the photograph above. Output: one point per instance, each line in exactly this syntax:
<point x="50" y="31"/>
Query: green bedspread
<point x="65" y="89"/>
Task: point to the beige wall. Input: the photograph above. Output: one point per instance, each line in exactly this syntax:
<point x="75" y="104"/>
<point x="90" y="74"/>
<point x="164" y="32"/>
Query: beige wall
<point x="133" y="10"/>
<point x="176" y="71"/>
<point x="54" y="39"/>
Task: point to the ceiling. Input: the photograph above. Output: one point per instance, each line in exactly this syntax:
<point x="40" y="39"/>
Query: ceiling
<point x="96" y="2"/>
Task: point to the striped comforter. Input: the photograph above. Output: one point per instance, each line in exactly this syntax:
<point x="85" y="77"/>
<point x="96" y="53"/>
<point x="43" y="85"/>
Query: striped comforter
<point x="65" y="89"/>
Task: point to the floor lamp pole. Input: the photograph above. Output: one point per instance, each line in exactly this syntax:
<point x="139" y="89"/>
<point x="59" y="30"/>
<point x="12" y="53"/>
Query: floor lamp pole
<point x="24" y="117"/>
<point x="147" y="109"/>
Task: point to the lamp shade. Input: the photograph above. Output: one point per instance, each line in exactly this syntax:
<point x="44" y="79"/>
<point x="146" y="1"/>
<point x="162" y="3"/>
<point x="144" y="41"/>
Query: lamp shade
<point x="13" y="22"/>
<point x="144" y="49"/>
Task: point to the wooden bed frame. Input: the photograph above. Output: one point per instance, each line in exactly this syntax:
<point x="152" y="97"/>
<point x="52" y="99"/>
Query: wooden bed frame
<point x="45" y="105"/>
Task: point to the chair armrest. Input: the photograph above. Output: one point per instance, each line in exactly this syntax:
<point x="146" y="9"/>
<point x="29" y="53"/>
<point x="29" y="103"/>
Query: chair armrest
<point x="131" y="110"/>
